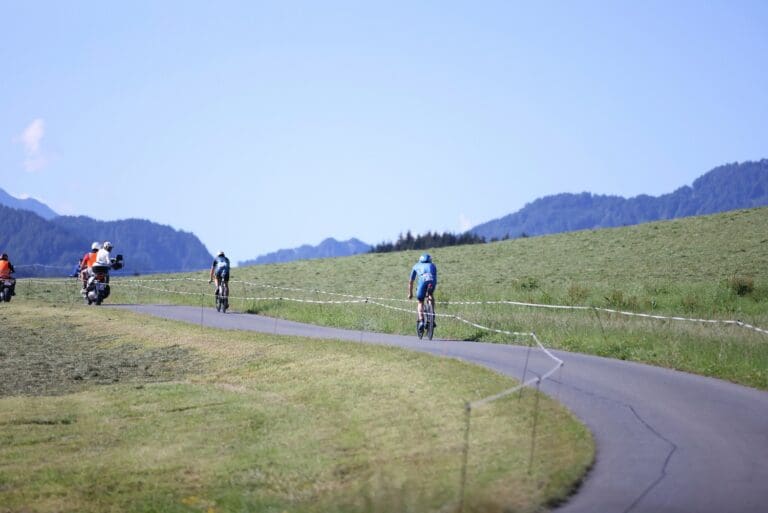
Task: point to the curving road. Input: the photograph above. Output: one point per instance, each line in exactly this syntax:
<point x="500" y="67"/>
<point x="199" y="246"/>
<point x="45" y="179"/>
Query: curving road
<point x="667" y="441"/>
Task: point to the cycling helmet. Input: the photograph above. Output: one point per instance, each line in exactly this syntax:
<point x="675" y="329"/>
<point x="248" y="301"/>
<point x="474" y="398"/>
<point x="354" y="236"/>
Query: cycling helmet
<point x="107" y="245"/>
<point x="425" y="258"/>
<point x="95" y="245"/>
<point x="220" y="253"/>
<point x="4" y="256"/>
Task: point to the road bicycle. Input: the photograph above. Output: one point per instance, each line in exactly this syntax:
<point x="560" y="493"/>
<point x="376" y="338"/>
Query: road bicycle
<point x="429" y="317"/>
<point x="222" y="296"/>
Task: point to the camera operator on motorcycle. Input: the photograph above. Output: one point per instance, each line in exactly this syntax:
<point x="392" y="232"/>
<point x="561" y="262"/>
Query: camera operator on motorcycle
<point x="103" y="258"/>
<point x="6" y="268"/>
<point x="219" y="269"/>
<point x="98" y="275"/>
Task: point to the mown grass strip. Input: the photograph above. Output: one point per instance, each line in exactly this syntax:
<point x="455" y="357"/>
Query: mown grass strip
<point x="227" y="421"/>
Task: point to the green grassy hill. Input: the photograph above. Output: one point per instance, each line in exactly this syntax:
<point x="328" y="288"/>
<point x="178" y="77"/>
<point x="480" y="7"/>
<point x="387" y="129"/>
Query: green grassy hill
<point x="712" y="267"/>
<point x="673" y="266"/>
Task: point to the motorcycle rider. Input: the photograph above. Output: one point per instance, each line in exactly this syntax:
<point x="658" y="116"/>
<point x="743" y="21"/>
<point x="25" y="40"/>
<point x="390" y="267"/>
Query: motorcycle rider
<point x="87" y="262"/>
<point x="103" y="257"/>
<point x="6" y="268"/>
<point x="98" y="275"/>
<point x="103" y="261"/>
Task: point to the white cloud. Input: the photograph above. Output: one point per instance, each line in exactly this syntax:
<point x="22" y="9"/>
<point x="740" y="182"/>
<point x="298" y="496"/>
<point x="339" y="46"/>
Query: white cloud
<point x="464" y="223"/>
<point x="32" y="135"/>
<point x="30" y="138"/>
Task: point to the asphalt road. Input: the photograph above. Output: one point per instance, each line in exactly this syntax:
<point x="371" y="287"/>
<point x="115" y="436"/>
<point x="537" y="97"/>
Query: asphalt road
<point x="667" y="441"/>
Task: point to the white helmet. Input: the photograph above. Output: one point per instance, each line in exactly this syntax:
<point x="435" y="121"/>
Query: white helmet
<point x="107" y="245"/>
<point x="95" y="245"/>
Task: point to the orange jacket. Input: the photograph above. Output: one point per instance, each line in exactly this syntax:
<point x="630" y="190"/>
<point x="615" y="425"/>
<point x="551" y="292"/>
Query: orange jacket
<point x="5" y="269"/>
<point x="88" y="260"/>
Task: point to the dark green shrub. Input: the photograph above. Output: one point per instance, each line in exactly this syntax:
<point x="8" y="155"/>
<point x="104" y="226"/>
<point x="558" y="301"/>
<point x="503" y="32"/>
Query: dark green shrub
<point x="741" y="285"/>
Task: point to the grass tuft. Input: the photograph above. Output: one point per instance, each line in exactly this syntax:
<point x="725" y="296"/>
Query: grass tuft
<point x="741" y="285"/>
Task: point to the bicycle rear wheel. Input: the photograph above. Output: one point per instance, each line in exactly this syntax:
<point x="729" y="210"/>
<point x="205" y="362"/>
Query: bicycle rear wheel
<point x="429" y="318"/>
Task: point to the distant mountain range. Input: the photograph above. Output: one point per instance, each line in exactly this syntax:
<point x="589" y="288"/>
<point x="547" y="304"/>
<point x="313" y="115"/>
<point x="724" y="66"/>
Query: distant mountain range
<point x="728" y="187"/>
<point x="51" y="247"/>
<point x="326" y="249"/>
<point x="36" y="234"/>
<point x="29" y="204"/>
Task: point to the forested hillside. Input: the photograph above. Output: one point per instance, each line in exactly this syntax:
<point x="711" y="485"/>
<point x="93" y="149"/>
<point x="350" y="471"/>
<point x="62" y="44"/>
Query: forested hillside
<point x="724" y="188"/>
<point x="29" y="239"/>
<point x="38" y="247"/>
<point x="147" y="246"/>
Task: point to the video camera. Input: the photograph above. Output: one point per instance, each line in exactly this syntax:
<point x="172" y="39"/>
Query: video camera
<point x="117" y="262"/>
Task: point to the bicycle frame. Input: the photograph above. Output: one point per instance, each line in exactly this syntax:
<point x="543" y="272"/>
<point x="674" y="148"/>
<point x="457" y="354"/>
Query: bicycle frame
<point x="428" y="311"/>
<point x="222" y="296"/>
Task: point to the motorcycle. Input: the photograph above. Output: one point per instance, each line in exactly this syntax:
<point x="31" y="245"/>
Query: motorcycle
<point x="6" y="288"/>
<point x="97" y="289"/>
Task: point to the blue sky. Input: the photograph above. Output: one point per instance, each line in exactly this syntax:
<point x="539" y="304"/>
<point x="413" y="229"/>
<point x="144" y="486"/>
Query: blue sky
<point x="267" y="125"/>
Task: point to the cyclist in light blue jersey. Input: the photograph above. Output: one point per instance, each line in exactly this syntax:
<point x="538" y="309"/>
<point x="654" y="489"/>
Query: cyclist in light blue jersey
<point x="426" y="272"/>
<point x="220" y="269"/>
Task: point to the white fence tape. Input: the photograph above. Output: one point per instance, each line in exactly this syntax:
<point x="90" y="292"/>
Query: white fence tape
<point x="356" y="299"/>
<point x="376" y="300"/>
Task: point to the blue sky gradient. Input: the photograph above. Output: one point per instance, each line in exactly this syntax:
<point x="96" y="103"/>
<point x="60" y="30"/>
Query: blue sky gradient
<point x="267" y="125"/>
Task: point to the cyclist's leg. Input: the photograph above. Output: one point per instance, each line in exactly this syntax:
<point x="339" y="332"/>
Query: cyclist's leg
<point x="431" y="295"/>
<point x="225" y="282"/>
<point x="219" y="277"/>
<point x="421" y="294"/>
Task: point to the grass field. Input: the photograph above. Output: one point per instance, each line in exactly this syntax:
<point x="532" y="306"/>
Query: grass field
<point x="103" y="410"/>
<point x="711" y="267"/>
<point x="157" y="416"/>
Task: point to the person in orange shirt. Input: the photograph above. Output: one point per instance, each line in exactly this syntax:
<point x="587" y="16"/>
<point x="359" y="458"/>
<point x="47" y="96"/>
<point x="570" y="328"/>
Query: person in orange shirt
<point x="6" y="268"/>
<point x="86" y="263"/>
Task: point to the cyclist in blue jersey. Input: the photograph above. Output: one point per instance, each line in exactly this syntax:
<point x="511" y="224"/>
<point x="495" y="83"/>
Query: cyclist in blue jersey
<point x="426" y="272"/>
<point x="220" y="269"/>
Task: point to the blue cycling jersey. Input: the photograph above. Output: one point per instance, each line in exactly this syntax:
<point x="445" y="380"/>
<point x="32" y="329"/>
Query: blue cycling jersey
<point x="425" y="272"/>
<point x="221" y="263"/>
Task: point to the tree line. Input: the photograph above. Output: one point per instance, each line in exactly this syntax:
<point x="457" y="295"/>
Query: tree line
<point x="427" y="241"/>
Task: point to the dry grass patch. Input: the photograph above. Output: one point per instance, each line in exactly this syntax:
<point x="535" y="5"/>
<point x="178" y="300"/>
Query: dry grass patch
<point x="243" y="421"/>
